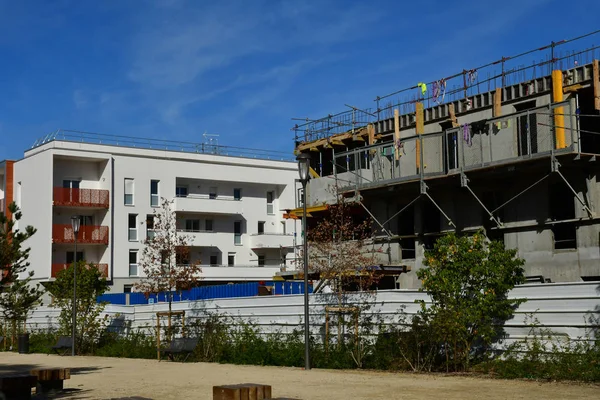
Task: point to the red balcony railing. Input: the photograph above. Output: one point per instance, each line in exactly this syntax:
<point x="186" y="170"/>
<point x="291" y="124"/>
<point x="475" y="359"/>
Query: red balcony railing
<point x="59" y="267"/>
<point x="81" y="197"/>
<point x="87" y="234"/>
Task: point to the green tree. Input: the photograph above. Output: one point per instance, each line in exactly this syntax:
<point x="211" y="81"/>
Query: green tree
<point x="468" y="279"/>
<point x="166" y="259"/>
<point x="90" y="285"/>
<point x="17" y="295"/>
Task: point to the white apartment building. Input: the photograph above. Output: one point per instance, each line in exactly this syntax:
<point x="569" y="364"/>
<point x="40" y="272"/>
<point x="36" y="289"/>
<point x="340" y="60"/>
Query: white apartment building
<point x="229" y="202"/>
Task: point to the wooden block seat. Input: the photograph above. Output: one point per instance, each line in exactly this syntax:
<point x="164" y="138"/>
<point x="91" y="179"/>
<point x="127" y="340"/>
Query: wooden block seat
<point x="50" y="379"/>
<point x="244" y="391"/>
<point x="17" y="386"/>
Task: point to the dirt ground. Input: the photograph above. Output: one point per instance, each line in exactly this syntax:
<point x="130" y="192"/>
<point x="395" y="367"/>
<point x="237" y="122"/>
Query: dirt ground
<point x="106" y="378"/>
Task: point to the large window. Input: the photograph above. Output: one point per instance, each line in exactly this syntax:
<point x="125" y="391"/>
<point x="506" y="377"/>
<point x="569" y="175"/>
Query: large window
<point x="231" y="259"/>
<point x="270" y="198"/>
<point x="261" y="260"/>
<point x="71" y="256"/>
<point x="133" y="263"/>
<point x="129" y="191"/>
<point x="192" y="225"/>
<point x="237" y="194"/>
<point x="261" y="227"/>
<point x="154" y="193"/>
<point x="237" y="232"/>
<point x="181" y="191"/>
<point x="132" y="225"/>
<point x="70" y="184"/>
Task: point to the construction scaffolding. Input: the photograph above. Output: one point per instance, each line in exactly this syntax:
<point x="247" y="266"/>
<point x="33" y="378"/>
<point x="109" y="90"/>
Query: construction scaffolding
<point x="504" y="72"/>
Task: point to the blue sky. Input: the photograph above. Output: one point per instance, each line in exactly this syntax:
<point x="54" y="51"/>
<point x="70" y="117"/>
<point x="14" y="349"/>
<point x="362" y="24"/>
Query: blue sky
<point x="242" y="69"/>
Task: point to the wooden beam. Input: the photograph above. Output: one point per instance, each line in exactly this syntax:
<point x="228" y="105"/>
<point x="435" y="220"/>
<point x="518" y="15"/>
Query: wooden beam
<point x="573" y="88"/>
<point x="596" y="83"/>
<point x="396" y="133"/>
<point x="419" y="129"/>
<point x="371" y="134"/>
<point x="452" y="115"/>
<point x="498" y="102"/>
<point x="336" y="140"/>
<point x="559" y="118"/>
<point x="313" y="173"/>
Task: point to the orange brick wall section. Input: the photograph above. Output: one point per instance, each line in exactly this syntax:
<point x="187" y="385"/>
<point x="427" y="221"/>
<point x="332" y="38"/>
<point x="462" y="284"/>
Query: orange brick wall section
<point x="9" y="189"/>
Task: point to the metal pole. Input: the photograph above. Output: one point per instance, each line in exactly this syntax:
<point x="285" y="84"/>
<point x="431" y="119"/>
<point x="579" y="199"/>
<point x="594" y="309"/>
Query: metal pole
<point x="74" y="298"/>
<point x="305" y="256"/>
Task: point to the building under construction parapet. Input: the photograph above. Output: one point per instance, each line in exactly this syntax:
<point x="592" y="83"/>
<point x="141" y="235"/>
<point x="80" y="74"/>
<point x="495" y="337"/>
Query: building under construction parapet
<point x="508" y="148"/>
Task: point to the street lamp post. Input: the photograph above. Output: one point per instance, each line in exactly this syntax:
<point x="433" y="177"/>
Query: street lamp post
<point x="303" y="168"/>
<point x="75" y="226"/>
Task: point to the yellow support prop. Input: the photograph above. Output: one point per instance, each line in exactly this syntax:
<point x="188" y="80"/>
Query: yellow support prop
<point x="559" y="117"/>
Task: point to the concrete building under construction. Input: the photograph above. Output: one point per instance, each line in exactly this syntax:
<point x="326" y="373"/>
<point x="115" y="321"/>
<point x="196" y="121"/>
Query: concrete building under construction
<point x="514" y="153"/>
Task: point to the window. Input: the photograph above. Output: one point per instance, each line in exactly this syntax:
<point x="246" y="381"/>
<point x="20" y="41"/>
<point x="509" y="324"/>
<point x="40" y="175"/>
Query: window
<point x="270" y="197"/>
<point x="127" y="288"/>
<point x="150" y="227"/>
<point x="129" y="191"/>
<point x="212" y="194"/>
<point x="300" y="198"/>
<point x="192" y="225"/>
<point x="237" y="231"/>
<point x="261" y="227"/>
<point x="527" y="129"/>
<point x="209" y="225"/>
<point x="231" y="259"/>
<point x="283" y="228"/>
<point x="237" y="194"/>
<point x="133" y="263"/>
<point x="71" y="256"/>
<point x="70" y="184"/>
<point x="181" y="191"/>
<point x="132" y="227"/>
<point x="214" y="259"/>
<point x="261" y="261"/>
<point x="154" y="193"/>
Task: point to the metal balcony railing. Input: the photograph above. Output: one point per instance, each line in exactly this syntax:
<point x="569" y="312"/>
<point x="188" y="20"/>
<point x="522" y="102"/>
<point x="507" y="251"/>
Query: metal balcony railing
<point x="88" y="234"/>
<point x="81" y="197"/>
<point x="498" y="141"/>
<point x="56" y="268"/>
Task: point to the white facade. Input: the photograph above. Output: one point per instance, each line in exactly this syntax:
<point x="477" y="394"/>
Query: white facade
<point x="230" y="207"/>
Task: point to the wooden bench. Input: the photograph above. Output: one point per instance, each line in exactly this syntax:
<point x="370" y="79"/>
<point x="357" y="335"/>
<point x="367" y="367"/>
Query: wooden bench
<point x="17" y="387"/>
<point x="244" y="391"/>
<point x="64" y="343"/>
<point x="50" y="379"/>
<point x="180" y="346"/>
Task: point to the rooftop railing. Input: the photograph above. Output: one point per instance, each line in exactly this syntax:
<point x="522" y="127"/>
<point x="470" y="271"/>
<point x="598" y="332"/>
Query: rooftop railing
<point x="161" y="144"/>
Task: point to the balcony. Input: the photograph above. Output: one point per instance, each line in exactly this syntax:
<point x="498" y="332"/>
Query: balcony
<point x="88" y="234"/>
<point x="56" y="268"/>
<point x="207" y="238"/>
<point x="67" y="197"/>
<point x="207" y="205"/>
<point x="271" y="241"/>
<point x="504" y="140"/>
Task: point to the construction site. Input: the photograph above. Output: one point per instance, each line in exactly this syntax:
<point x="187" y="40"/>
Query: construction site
<point x="509" y="148"/>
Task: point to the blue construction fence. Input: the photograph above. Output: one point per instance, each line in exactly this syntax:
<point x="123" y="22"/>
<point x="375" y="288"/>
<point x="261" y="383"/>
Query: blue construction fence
<point x="249" y="289"/>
